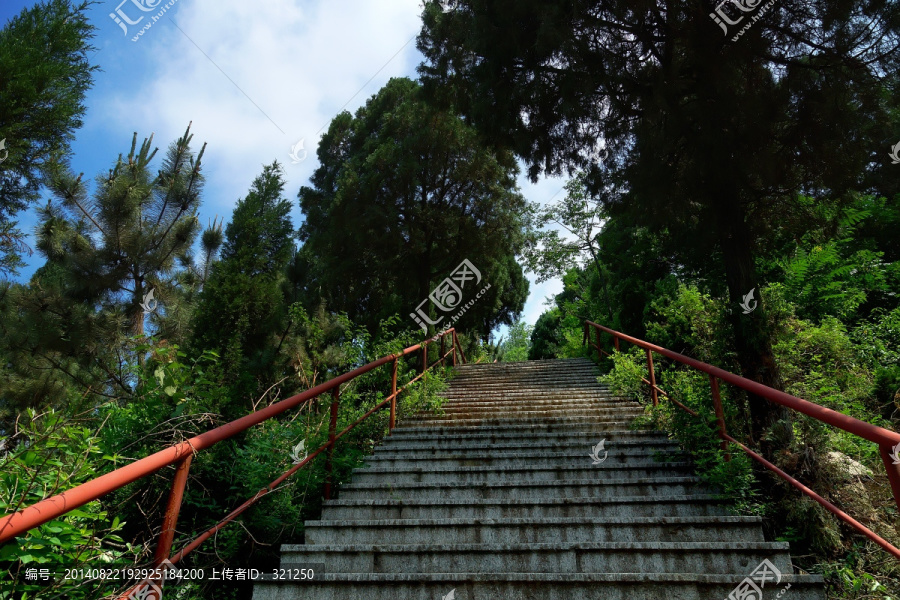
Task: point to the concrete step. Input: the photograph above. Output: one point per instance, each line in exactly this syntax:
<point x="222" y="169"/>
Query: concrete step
<point x="495" y="497"/>
<point x="529" y="457"/>
<point x="521" y="433"/>
<point x="596" y="415"/>
<point x="586" y="557"/>
<point x="529" y="586"/>
<point x="622" y="507"/>
<point x="536" y="530"/>
<point x="597" y="489"/>
<point x="532" y="404"/>
<point x="529" y="408"/>
<point x="446" y="475"/>
<point x="478" y="448"/>
<point x="536" y="386"/>
<point x="619" y="419"/>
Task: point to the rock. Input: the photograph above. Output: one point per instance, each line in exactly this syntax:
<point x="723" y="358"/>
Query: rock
<point x="851" y="467"/>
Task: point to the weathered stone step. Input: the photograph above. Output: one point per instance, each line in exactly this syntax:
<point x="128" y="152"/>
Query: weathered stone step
<point x="480" y="397"/>
<point x="536" y="413"/>
<point x="584" y="557"/>
<point x="520" y="433"/>
<point x="524" y="473"/>
<point x="598" y="489"/>
<point x="457" y="406"/>
<point x="534" y="457"/>
<point x="496" y="497"/>
<point x="536" y="530"/>
<point x="476" y="417"/>
<point x="400" y="448"/>
<point x="555" y="384"/>
<point x="624" y="507"/>
<point x="528" y="586"/>
<point x="618" y="418"/>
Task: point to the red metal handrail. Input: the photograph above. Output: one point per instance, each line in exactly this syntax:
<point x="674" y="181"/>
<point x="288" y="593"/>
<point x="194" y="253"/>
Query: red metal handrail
<point x="182" y="454"/>
<point x="885" y="438"/>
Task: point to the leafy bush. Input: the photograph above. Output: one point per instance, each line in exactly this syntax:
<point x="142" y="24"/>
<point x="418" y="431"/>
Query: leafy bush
<point x="49" y="455"/>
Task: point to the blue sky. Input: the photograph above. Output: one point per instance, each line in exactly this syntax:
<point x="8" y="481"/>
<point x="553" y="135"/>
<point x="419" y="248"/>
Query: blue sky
<point x="254" y="78"/>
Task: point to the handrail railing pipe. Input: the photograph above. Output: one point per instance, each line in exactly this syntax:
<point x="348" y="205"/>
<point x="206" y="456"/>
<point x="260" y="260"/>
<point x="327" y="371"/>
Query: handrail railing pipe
<point x="885" y="439"/>
<point x="182" y="454"/>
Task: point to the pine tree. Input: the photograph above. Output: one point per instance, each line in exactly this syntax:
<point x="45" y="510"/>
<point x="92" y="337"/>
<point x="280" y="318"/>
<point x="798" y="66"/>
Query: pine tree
<point x="705" y="140"/>
<point x="126" y="241"/>
<point x="241" y="312"/>
<point x="404" y="194"/>
<point x="44" y="75"/>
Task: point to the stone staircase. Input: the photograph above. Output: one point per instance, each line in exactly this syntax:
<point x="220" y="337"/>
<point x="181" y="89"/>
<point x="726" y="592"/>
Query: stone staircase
<point x="498" y="498"/>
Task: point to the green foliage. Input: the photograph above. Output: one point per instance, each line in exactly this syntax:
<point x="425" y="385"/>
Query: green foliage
<point x="518" y="342"/>
<point x="576" y="222"/>
<point x="835" y="277"/>
<point x="241" y="312"/>
<point x="733" y="479"/>
<point x="689" y="319"/>
<point x="404" y="193"/>
<point x="179" y="396"/>
<point x="44" y="75"/>
<point x="625" y="376"/>
<point x="128" y="238"/>
<point x="48" y="455"/>
<point x="546" y="338"/>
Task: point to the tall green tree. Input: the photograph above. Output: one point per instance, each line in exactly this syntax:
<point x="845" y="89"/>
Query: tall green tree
<point x="44" y="74"/>
<point x="546" y="337"/>
<point x="517" y="344"/>
<point x="404" y="194"/>
<point x="241" y="312"/>
<point x="106" y="252"/>
<point x="127" y="239"/>
<point x="709" y="142"/>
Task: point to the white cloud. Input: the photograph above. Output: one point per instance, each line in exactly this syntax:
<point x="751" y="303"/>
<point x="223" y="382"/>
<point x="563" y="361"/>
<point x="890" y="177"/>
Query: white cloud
<point x="297" y="62"/>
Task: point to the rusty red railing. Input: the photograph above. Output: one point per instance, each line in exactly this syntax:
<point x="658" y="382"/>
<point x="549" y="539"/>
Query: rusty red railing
<point x="181" y="455"/>
<point x="885" y="439"/>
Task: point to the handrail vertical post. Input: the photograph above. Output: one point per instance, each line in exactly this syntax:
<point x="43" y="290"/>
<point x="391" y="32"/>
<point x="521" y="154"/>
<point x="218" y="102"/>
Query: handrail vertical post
<point x="167" y="534"/>
<point x="424" y="357"/>
<point x="893" y="472"/>
<point x="653" y="393"/>
<point x="393" y="420"/>
<point x="720" y="414"/>
<point x="616" y="342"/>
<point x="453" y="342"/>
<point x="442" y="351"/>
<point x="332" y="430"/>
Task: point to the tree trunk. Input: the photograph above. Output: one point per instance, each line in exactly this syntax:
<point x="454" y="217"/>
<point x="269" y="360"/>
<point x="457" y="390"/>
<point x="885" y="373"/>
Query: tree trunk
<point x="751" y="335"/>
